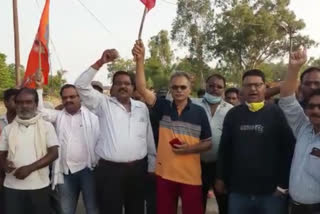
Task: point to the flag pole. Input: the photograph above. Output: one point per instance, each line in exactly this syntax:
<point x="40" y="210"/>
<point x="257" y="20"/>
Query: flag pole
<point x="142" y="21"/>
<point x="16" y="41"/>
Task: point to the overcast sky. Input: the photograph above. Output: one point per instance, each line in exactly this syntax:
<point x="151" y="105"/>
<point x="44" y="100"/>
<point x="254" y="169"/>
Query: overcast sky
<point x="80" y="39"/>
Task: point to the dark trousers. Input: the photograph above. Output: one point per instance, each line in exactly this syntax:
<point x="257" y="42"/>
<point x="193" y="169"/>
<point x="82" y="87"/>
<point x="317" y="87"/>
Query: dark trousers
<point x="120" y="185"/>
<point x="257" y="204"/>
<point x="296" y="208"/>
<point x="54" y="202"/>
<point x="27" y="201"/>
<point x="1" y="200"/>
<point x="208" y="178"/>
<point x="150" y="194"/>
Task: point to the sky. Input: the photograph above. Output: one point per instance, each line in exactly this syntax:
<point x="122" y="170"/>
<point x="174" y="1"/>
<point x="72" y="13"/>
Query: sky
<point x="79" y="39"/>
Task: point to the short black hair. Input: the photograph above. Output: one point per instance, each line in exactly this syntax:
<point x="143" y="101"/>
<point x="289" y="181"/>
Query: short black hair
<point x="118" y="73"/>
<point x="218" y="76"/>
<point x="7" y="94"/>
<point x="307" y="71"/>
<point x="65" y="87"/>
<point x="31" y="91"/>
<point x="232" y="90"/>
<point x="315" y="92"/>
<point x="254" y="72"/>
<point x="201" y="92"/>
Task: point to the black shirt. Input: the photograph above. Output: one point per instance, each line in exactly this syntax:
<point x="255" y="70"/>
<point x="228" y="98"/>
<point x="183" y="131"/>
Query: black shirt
<point x="256" y="150"/>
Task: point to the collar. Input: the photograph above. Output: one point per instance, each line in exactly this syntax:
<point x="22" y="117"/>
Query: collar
<point x="4" y="118"/>
<point x="134" y="103"/>
<point x="187" y="107"/>
<point x="78" y="112"/>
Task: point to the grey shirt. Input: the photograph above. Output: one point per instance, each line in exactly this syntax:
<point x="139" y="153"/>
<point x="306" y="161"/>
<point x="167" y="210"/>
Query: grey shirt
<point x="304" y="185"/>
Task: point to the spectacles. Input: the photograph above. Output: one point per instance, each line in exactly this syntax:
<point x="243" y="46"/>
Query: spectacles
<point x="310" y="83"/>
<point x="311" y="106"/>
<point x="255" y="85"/>
<point x="177" y="87"/>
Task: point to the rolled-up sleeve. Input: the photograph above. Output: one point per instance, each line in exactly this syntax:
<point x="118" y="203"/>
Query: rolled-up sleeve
<point x="294" y="113"/>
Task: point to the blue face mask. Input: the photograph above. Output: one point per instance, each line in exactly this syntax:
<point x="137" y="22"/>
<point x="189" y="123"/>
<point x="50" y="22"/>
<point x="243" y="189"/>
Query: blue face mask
<point x="211" y="99"/>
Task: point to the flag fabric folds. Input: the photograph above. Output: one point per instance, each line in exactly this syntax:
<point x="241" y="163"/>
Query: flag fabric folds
<point x="39" y="61"/>
<point x="149" y="3"/>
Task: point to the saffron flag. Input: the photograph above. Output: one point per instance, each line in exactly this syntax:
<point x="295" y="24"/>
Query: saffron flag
<point x="149" y="3"/>
<point x="38" y="60"/>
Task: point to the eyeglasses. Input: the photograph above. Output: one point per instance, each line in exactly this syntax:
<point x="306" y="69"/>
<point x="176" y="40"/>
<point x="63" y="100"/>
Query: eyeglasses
<point x="177" y="87"/>
<point x="310" y="83"/>
<point x="255" y="85"/>
<point x="311" y="106"/>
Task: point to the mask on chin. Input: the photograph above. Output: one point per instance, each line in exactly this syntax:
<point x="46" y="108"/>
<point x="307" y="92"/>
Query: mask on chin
<point x="254" y="107"/>
<point x="211" y="99"/>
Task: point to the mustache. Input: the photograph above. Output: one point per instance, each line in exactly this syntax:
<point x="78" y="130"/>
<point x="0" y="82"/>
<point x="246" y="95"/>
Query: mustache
<point x="315" y="115"/>
<point x="122" y="89"/>
<point x="67" y="103"/>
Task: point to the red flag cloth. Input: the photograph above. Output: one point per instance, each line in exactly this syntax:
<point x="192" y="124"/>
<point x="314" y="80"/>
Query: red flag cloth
<point x="149" y="3"/>
<point x="35" y="59"/>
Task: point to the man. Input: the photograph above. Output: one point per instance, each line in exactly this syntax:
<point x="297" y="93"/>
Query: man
<point x="125" y="142"/>
<point x="304" y="187"/>
<point x="97" y="86"/>
<point x="183" y="134"/>
<point x="216" y="109"/>
<point x="78" y="133"/>
<point x="232" y="96"/>
<point x="5" y="119"/>
<point x="28" y="145"/>
<point x="255" y="152"/>
<point x="309" y="81"/>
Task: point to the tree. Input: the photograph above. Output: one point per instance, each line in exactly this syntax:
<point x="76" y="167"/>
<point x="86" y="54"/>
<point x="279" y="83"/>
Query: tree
<point x="6" y="80"/>
<point x="159" y="66"/>
<point x="55" y="83"/>
<point x="191" y="29"/>
<point x="121" y="65"/>
<point x="252" y="32"/>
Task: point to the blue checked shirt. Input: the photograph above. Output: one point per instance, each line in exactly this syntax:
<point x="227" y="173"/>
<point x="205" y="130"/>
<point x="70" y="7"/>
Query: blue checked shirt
<point x="304" y="185"/>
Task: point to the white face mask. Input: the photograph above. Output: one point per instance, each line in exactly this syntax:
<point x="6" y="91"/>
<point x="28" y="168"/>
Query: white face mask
<point x="211" y="98"/>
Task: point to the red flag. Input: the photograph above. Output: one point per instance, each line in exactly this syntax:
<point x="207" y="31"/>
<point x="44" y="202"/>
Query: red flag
<point x="40" y="61"/>
<point x="149" y="3"/>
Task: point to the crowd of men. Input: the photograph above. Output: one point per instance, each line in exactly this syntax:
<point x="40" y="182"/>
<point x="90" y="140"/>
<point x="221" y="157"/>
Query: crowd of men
<point x="138" y="152"/>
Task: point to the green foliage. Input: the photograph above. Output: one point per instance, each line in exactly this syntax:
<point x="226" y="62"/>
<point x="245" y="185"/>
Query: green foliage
<point x="55" y="84"/>
<point x="252" y="32"/>
<point x="121" y="65"/>
<point x="6" y="78"/>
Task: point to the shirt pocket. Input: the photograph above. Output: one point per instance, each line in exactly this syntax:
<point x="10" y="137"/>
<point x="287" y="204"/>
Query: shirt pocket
<point x="139" y="128"/>
<point x="312" y="166"/>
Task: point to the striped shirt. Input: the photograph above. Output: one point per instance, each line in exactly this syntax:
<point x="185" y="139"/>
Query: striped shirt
<point x="191" y="127"/>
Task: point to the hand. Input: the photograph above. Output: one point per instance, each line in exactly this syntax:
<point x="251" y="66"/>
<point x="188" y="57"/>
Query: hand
<point x="109" y="56"/>
<point x="138" y="51"/>
<point x="298" y="59"/>
<point x="23" y="172"/>
<point x="181" y="149"/>
<point x="39" y="80"/>
<point x="220" y="187"/>
<point x="9" y="166"/>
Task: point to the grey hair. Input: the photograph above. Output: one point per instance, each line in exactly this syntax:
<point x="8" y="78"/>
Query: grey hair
<point x="180" y="74"/>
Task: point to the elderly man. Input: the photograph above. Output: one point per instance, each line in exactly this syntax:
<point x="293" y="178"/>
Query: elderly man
<point x="28" y="145"/>
<point x="78" y="133"/>
<point x="184" y="133"/>
<point x="304" y="187"/>
<point x="125" y="143"/>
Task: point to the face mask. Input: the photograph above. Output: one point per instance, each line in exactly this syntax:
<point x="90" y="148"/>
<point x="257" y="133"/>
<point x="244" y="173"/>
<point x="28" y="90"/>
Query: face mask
<point x="212" y="99"/>
<point x="254" y="107"/>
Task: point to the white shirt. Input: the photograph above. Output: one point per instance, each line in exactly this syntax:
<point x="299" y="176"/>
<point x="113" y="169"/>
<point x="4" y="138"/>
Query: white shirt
<point x="25" y="154"/>
<point x="3" y="122"/>
<point x="74" y="150"/>
<point x="216" y="124"/>
<point x="125" y="136"/>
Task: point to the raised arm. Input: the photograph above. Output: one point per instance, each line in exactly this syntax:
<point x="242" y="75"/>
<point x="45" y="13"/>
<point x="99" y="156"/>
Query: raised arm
<point x="138" y="52"/>
<point x="288" y="102"/>
<point x="90" y="97"/>
<point x="290" y="84"/>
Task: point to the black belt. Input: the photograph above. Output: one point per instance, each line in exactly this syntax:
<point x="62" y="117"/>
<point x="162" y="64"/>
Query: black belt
<point x="131" y="163"/>
<point x="307" y="206"/>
